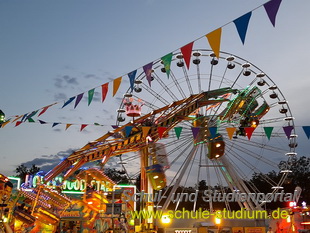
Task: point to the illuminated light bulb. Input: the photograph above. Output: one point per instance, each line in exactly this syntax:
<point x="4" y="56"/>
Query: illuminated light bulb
<point x="217" y="221"/>
<point x="165" y="219"/>
<point x="155" y="177"/>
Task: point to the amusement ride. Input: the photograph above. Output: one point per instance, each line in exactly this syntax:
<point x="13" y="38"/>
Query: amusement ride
<point x="216" y="118"/>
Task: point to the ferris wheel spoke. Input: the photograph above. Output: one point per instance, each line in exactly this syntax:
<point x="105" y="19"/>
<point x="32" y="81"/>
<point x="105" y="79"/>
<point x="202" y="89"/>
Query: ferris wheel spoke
<point x="165" y="87"/>
<point x="155" y="95"/>
<point x="251" y="154"/>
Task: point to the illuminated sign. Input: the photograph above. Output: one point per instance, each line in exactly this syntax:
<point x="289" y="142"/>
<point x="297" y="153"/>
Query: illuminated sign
<point x="76" y="186"/>
<point x="181" y="230"/>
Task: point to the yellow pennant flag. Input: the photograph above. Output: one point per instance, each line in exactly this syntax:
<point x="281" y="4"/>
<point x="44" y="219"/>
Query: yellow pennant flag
<point x="214" y="39"/>
<point x="230" y="132"/>
<point x="68" y="125"/>
<point x="116" y="84"/>
<point x="145" y="131"/>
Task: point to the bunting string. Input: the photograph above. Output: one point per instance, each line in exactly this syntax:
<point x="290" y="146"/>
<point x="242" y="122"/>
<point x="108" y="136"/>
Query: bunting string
<point x="229" y="131"/>
<point x="214" y="38"/>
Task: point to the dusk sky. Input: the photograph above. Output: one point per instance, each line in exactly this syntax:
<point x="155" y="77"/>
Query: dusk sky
<point x="53" y="50"/>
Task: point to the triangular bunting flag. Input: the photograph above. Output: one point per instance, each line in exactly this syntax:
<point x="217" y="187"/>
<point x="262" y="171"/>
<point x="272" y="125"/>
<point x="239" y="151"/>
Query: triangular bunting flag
<point x="90" y="95"/>
<point x="178" y="131"/>
<point x="68" y="101"/>
<point x="132" y="76"/>
<point x="288" y="130"/>
<point x="242" y="25"/>
<point x="54" y="124"/>
<point x="187" y="53"/>
<point x="83" y="127"/>
<point x="128" y="130"/>
<point x="272" y="8"/>
<point x="145" y="131"/>
<point x="17" y="118"/>
<point x="18" y="123"/>
<point x="24" y="117"/>
<point x="78" y="99"/>
<point x="116" y="84"/>
<point x="4" y="123"/>
<point x="195" y="131"/>
<point x="114" y="126"/>
<point x="68" y="125"/>
<point x="167" y="62"/>
<point x="42" y="122"/>
<point x="268" y="131"/>
<point x="104" y="89"/>
<point x="307" y="131"/>
<point x="214" y="39"/>
<point x="44" y="109"/>
<point x="29" y="117"/>
<point x="230" y="132"/>
<point x="148" y="72"/>
<point x="249" y="131"/>
<point x="161" y="131"/>
<point x="213" y="131"/>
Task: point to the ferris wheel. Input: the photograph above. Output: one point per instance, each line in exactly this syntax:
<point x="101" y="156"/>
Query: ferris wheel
<point x="220" y="120"/>
<point x="245" y="127"/>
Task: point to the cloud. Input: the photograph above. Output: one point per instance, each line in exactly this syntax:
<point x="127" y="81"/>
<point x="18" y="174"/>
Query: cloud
<point x="48" y="162"/>
<point x="60" y="96"/>
<point x="65" y="81"/>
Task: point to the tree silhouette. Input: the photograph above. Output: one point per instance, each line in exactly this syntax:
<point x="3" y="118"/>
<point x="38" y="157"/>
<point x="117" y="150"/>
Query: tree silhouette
<point x="22" y="171"/>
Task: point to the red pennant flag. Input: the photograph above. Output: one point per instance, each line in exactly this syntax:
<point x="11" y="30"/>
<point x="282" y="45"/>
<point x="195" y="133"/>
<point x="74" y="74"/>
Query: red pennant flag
<point x="161" y="131"/>
<point x="83" y="126"/>
<point x="187" y="53"/>
<point x="249" y="131"/>
<point x="45" y="108"/>
<point x="104" y="88"/>
<point x="18" y="123"/>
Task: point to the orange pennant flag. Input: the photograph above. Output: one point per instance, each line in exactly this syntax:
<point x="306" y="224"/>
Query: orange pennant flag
<point x="145" y="131"/>
<point x="249" y="131"/>
<point x="68" y="125"/>
<point x="4" y="124"/>
<point x="161" y="131"/>
<point x="116" y="84"/>
<point x="214" y="39"/>
<point x="17" y="118"/>
<point x="231" y="131"/>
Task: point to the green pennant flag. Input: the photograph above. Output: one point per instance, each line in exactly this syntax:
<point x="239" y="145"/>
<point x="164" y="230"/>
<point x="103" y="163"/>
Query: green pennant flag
<point x="90" y="95"/>
<point x="167" y="62"/>
<point x="268" y="131"/>
<point x="178" y="131"/>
